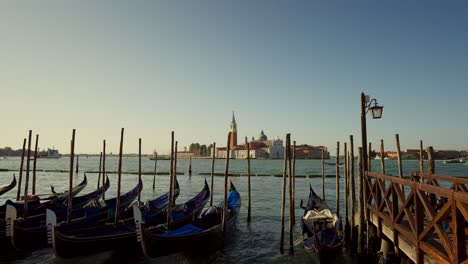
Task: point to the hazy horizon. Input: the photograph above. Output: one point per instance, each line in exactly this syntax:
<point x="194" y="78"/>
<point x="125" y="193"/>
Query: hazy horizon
<point x="294" y="67"/>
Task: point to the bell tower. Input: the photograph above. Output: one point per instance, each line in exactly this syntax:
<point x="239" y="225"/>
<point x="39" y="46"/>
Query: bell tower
<point x="233" y="139"/>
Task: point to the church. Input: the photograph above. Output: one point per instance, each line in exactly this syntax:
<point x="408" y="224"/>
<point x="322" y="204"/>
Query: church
<point x="260" y="148"/>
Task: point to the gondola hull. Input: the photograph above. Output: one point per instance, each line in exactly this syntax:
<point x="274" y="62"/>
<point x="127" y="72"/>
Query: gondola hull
<point x="203" y="235"/>
<point x="100" y="237"/>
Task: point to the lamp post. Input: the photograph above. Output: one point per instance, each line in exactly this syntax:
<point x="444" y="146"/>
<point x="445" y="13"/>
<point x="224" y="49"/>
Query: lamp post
<point x="376" y="110"/>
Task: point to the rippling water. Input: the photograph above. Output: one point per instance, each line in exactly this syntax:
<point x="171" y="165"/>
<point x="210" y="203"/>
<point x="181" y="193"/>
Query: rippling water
<point x="257" y="242"/>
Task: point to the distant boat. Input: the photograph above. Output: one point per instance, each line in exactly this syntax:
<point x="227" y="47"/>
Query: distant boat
<point x="461" y="160"/>
<point x="52" y="154"/>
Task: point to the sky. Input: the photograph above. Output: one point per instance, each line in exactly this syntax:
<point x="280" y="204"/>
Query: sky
<point x="296" y="67"/>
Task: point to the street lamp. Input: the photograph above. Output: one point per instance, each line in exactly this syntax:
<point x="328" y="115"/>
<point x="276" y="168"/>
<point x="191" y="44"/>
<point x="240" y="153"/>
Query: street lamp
<point x="376" y="110"/>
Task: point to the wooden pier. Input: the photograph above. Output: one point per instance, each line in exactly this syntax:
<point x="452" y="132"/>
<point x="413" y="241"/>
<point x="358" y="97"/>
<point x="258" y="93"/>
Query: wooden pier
<point x="425" y="221"/>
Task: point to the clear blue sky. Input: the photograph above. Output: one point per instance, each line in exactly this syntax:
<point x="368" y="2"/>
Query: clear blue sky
<point x="285" y="66"/>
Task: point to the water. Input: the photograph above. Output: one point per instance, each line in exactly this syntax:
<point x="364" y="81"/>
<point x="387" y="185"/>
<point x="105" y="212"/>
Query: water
<point x="257" y="242"/>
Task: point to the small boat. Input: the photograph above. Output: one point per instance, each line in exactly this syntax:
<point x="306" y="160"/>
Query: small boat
<point x="6" y="188"/>
<point x="322" y="230"/>
<point x="122" y="236"/>
<point x="204" y="233"/>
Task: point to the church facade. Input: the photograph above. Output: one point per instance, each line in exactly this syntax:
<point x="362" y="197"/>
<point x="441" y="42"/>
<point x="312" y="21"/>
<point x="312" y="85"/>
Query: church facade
<point x="261" y="147"/>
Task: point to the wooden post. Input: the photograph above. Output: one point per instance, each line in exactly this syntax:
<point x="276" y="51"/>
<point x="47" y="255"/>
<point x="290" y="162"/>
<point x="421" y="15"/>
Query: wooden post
<point x="34" y="166"/>
<point x="212" y="172"/>
<point x="175" y="174"/>
<point x="155" y="166"/>
<point x="360" y="237"/>
<point x="103" y="167"/>
<point x="99" y="171"/>
<point x="323" y="175"/>
<point x="421" y="160"/>
<point x="171" y="179"/>
<point x="400" y="167"/>
<point x="247" y="145"/>
<point x="70" y="186"/>
<point x="337" y="179"/>
<point x="431" y="163"/>
<point x="283" y="196"/>
<point x="294" y="183"/>
<point x="77" y="163"/>
<point x="139" y="170"/>
<point x="430" y="157"/>
<point x="226" y="175"/>
<point x="382" y="158"/>
<point x="352" y="186"/>
<point x="119" y="179"/>
<point x="26" y="182"/>
<point x="190" y="167"/>
<point x="346" y="191"/>
<point x="21" y="171"/>
<point x="290" y="175"/>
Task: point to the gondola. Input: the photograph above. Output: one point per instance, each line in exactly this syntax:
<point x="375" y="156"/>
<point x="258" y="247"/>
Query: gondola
<point x="6" y="188"/>
<point x="31" y="232"/>
<point x="100" y="237"/>
<point x="322" y="231"/>
<point x="203" y="234"/>
<point x="35" y="206"/>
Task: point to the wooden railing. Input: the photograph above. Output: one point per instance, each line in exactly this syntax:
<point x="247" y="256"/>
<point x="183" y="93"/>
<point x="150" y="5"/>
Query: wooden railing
<point x="437" y="230"/>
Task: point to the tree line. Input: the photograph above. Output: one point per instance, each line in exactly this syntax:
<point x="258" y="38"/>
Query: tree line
<point x="7" y="151"/>
<point x="200" y="150"/>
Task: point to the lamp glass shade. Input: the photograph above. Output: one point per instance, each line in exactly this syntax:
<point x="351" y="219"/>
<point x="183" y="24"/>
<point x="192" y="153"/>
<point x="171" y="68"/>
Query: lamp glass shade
<point x="376" y="111"/>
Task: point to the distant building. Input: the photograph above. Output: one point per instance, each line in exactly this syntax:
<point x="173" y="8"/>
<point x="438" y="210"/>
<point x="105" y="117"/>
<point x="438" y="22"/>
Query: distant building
<point x="185" y="154"/>
<point x="311" y="152"/>
<point x="261" y="147"/>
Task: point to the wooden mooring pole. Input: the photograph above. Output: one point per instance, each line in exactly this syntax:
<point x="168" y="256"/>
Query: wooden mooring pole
<point x="155" y="168"/>
<point x="26" y="182"/>
<point x="323" y="174"/>
<point x="247" y="146"/>
<point x="382" y="157"/>
<point x="70" y="186"/>
<point x="20" y="178"/>
<point x="175" y="173"/>
<point x="421" y="160"/>
<point x="34" y="166"/>
<point x="226" y="175"/>
<point x="346" y="191"/>
<point x="352" y="199"/>
<point x="139" y="171"/>
<point x="119" y="179"/>
<point x="190" y="167"/>
<point x="99" y="171"/>
<point x="337" y="183"/>
<point x="291" y="208"/>
<point x="283" y="196"/>
<point x="294" y="183"/>
<point x="77" y="164"/>
<point x="212" y="172"/>
<point x="104" y="167"/>
<point x="171" y="179"/>
<point x="361" y="228"/>
<point x="400" y="167"/>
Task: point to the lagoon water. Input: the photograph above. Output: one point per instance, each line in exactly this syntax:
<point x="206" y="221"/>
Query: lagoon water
<point x="257" y="242"/>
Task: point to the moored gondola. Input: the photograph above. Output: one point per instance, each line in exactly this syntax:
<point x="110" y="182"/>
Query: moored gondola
<point x="122" y="236"/>
<point x="31" y="232"/>
<point x="322" y="230"/>
<point x="8" y="187"/>
<point x="204" y="233"/>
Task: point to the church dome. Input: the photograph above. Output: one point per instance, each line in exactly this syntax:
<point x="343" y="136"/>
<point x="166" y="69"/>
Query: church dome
<point x="262" y="136"/>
